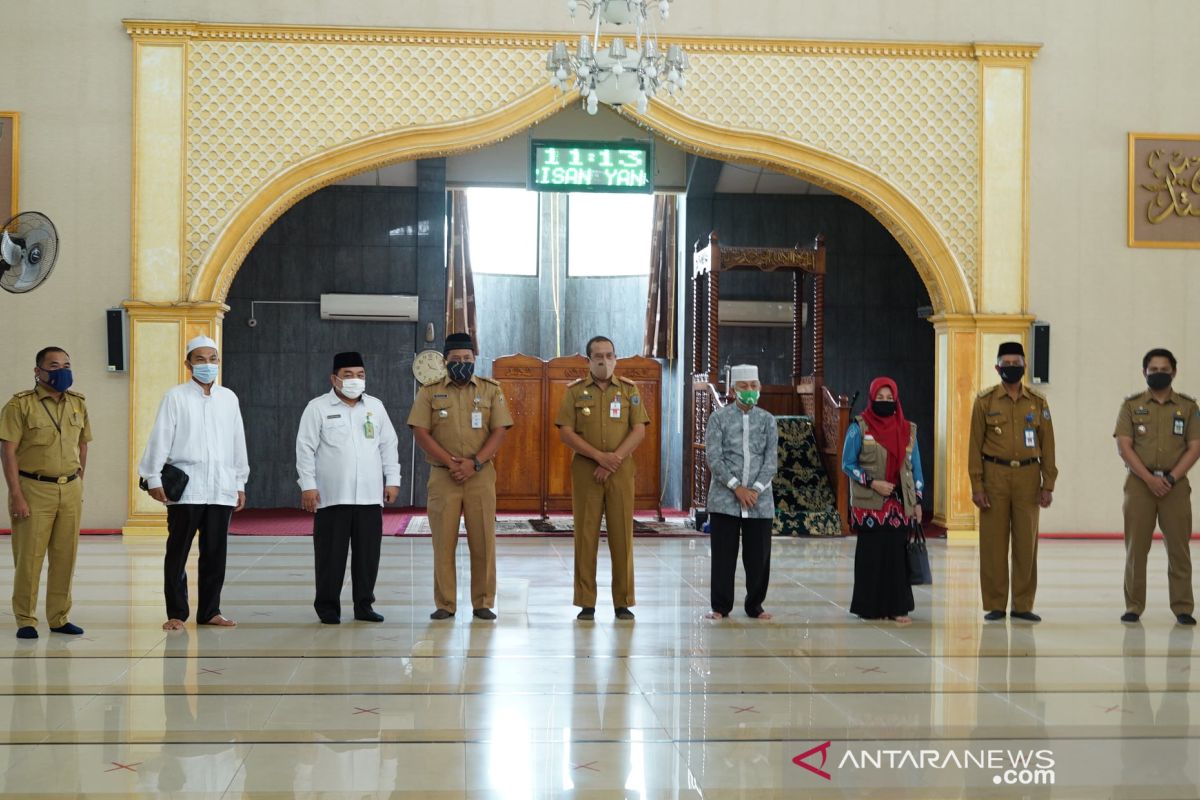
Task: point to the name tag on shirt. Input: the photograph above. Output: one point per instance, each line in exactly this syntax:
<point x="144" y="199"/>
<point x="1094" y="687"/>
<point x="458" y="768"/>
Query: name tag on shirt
<point x="476" y="419"/>
<point x="1029" y="438"/>
<point x="614" y="409"/>
<point x="1178" y="427"/>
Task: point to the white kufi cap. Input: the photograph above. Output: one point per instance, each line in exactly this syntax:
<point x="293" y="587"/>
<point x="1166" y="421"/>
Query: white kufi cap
<point x="200" y="341"/>
<point x="743" y="372"/>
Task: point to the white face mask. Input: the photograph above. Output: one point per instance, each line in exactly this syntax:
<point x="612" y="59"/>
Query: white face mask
<point x="354" y="387"/>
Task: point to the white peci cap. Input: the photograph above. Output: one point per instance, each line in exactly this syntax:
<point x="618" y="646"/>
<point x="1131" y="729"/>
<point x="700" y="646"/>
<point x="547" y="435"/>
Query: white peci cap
<point x="200" y="341"/>
<point x="743" y="372"/>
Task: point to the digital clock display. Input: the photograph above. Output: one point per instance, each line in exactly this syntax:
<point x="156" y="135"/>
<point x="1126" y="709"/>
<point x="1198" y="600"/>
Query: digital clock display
<point x="575" y="166"/>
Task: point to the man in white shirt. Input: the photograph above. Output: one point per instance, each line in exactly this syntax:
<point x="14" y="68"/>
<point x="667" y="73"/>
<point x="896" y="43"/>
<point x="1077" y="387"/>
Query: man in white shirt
<point x="349" y="466"/>
<point x="198" y="430"/>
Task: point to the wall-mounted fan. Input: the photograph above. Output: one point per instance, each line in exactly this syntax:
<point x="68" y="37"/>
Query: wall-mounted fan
<point x="28" y="249"/>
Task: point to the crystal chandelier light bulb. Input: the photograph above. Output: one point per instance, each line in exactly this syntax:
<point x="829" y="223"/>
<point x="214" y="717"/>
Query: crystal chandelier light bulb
<point x="600" y="74"/>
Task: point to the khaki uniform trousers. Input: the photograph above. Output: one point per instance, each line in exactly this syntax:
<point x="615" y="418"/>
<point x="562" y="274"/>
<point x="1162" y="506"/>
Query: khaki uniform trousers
<point x="613" y="500"/>
<point x="1174" y="513"/>
<point x="475" y="501"/>
<point x="1012" y="521"/>
<point x="52" y="526"/>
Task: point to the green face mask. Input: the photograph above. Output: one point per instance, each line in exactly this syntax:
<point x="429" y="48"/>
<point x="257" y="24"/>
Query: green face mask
<point x="749" y="397"/>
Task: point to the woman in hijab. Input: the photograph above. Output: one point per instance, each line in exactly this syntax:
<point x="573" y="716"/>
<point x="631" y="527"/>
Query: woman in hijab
<point x="880" y="457"/>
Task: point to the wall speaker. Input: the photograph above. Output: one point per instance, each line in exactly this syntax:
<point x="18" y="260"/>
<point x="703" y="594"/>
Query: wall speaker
<point x="117" y="352"/>
<point x="1041" y="353"/>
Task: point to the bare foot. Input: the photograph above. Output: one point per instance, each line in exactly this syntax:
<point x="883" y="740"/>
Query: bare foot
<point x="173" y="625"/>
<point x="763" y="615"/>
<point x="714" y="615"/>
<point x="221" y="622"/>
<point x="903" y="620"/>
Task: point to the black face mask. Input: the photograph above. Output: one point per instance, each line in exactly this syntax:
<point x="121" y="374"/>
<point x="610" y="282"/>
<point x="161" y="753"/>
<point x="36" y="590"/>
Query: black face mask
<point x="1012" y="373"/>
<point x="1159" y="380"/>
<point x="460" y="371"/>
<point x="883" y="408"/>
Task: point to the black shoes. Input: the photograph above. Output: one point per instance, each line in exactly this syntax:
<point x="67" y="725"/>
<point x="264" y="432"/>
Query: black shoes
<point x="330" y="620"/>
<point x="441" y="613"/>
<point x="484" y="613"/>
<point x="992" y="616"/>
<point x="1028" y="616"/>
<point x="1185" y="619"/>
<point x="624" y="613"/>
<point x="1129" y="616"/>
<point x="27" y="632"/>
<point x="586" y="614"/>
<point x="74" y="630"/>
<point x="368" y="615"/>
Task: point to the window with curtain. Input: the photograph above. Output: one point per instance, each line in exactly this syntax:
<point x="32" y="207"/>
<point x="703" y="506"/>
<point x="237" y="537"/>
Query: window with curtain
<point x="503" y="238"/>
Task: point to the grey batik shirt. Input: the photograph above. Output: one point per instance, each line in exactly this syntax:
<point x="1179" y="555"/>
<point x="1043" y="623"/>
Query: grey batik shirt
<point x="742" y="450"/>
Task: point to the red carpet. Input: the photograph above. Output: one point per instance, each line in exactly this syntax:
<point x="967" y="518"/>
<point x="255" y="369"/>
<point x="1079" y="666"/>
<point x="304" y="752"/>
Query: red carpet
<point x="294" y="522"/>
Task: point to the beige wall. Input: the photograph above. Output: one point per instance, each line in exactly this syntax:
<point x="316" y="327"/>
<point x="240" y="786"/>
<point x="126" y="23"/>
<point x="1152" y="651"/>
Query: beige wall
<point x="1103" y="72"/>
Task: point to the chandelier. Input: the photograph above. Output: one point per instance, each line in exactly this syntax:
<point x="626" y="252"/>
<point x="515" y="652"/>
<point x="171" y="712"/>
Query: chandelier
<point x="618" y="74"/>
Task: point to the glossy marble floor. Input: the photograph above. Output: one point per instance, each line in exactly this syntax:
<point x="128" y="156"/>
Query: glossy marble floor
<point x="813" y="704"/>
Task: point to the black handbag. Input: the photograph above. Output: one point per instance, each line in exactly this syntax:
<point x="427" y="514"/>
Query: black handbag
<point x="174" y="481"/>
<point x="919" y="573"/>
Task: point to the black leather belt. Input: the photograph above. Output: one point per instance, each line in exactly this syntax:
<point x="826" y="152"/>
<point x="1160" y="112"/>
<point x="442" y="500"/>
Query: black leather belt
<point x="47" y="478"/>
<point x="1014" y="464"/>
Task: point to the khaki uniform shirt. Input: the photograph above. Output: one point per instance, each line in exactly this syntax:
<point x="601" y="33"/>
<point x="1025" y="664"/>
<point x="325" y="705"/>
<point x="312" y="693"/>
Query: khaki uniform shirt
<point x="1011" y="431"/>
<point x="602" y="418"/>
<point x="47" y="433"/>
<point x="1160" y="431"/>
<point x="448" y="411"/>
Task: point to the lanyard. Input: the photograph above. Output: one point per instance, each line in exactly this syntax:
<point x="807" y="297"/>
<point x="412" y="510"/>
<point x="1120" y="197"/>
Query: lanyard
<point x="57" y="423"/>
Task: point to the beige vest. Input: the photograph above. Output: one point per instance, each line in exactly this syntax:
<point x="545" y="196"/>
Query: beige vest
<point x="873" y="461"/>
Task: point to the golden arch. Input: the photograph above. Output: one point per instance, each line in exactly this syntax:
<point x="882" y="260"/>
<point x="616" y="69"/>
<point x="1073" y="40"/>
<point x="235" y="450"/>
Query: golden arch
<point x="944" y="279"/>
<point x="174" y="298"/>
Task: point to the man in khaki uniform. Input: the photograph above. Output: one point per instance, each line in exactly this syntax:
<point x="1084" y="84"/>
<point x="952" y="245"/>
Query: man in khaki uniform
<point x="45" y="433"/>
<point x="460" y="422"/>
<point x="1012" y="470"/>
<point x="1158" y="436"/>
<point x="603" y="420"/>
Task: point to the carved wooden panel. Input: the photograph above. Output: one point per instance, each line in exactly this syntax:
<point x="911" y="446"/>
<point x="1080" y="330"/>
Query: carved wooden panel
<point x="538" y="462"/>
<point x="521" y="462"/>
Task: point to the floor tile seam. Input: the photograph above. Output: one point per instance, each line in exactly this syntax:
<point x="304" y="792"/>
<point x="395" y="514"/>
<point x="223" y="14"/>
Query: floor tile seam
<point x="504" y="691"/>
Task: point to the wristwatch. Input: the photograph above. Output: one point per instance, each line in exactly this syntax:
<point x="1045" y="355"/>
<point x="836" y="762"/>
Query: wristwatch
<point x="478" y="463"/>
<point x="1170" y="478"/>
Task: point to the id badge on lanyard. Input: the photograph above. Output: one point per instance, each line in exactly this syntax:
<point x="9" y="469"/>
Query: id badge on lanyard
<point x="614" y="408"/>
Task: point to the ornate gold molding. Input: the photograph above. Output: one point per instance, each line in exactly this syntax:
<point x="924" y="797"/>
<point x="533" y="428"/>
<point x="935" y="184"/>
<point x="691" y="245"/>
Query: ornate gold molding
<point x="949" y="289"/>
<point x="249" y="32"/>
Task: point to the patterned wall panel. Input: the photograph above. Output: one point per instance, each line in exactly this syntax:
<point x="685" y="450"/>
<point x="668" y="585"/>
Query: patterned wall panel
<point x="262" y="99"/>
<point x="913" y="121"/>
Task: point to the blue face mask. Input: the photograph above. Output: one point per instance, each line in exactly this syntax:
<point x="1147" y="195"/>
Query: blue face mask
<point x="460" y="371"/>
<point x="59" y="379"/>
<point x="205" y="373"/>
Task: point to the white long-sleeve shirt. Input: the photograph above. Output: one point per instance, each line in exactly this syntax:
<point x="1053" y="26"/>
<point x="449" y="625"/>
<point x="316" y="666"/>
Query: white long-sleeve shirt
<point x="201" y="434"/>
<point x="335" y="455"/>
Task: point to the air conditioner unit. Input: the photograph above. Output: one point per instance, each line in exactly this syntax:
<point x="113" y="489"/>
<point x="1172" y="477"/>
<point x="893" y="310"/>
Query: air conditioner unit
<point x="370" y="307"/>
<point x="758" y="313"/>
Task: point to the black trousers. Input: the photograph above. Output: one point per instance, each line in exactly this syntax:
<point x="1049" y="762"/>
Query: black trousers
<point x="337" y="529"/>
<point x="755" y="536"/>
<point x="183" y="521"/>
